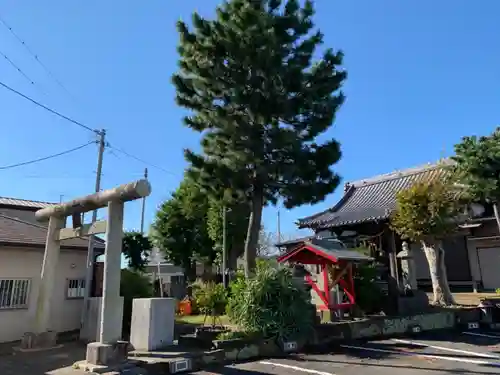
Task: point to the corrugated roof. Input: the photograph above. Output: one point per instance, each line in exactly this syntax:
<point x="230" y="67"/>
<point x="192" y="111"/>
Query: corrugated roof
<point x="18" y="225"/>
<point x="19" y="232"/>
<point x="337" y="250"/>
<point x="24" y="203"/>
<point x="372" y="199"/>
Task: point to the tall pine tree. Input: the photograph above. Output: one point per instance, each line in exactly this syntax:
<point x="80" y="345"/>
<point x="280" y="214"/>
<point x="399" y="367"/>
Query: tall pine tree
<point x="260" y="102"/>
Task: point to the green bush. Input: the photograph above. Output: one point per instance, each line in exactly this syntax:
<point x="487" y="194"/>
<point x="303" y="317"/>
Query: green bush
<point x="369" y="297"/>
<point x="133" y="284"/>
<point x="272" y="304"/>
<point x="210" y="298"/>
<point x="236" y="289"/>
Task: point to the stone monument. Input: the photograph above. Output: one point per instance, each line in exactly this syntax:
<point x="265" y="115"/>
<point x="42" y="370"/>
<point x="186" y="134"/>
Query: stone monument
<point x="412" y="300"/>
<point x="407" y="268"/>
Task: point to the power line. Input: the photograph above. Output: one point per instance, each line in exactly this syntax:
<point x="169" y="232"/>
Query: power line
<point x="48" y="109"/>
<point x="46" y="157"/>
<point x="98" y="132"/>
<point x="35" y="56"/>
<point x="140" y="160"/>
<point x="14" y="65"/>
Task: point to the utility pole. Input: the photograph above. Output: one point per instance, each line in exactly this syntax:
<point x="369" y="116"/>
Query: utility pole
<point x="224" y="246"/>
<point x="143" y="203"/>
<point x="279" y="227"/>
<point x="90" y="253"/>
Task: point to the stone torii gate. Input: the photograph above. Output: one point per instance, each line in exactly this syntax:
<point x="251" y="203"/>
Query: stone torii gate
<point x="111" y="323"/>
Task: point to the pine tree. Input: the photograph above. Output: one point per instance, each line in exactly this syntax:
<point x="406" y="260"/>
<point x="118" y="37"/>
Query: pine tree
<point x="260" y="101"/>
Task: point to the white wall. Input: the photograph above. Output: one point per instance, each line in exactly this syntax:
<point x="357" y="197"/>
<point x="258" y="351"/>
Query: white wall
<point x="27" y="263"/>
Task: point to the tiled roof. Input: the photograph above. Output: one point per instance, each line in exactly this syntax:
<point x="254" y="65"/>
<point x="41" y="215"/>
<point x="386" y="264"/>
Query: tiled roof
<point x="371" y="199"/>
<point x="19" y="226"/>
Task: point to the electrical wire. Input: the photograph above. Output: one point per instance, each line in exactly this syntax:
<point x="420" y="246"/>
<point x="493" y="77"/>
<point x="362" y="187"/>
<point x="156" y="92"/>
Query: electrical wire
<point x="14" y="65"/>
<point x="48" y="109"/>
<point x="98" y="132"/>
<point x="46" y="157"/>
<point x="35" y="56"/>
<point x="139" y="159"/>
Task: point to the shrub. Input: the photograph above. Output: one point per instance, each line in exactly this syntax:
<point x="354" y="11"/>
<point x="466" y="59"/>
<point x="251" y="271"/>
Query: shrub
<point x="210" y="298"/>
<point x="369" y="297"/>
<point x="272" y="304"/>
<point x="133" y="284"/>
<point x="236" y="291"/>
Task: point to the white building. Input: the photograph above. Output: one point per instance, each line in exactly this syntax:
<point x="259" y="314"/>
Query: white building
<point x="22" y="244"/>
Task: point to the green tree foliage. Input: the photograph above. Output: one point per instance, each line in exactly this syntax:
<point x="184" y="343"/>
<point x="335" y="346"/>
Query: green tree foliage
<point x="478" y="168"/>
<point x="260" y="101"/>
<point x="180" y="228"/>
<point x="210" y="299"/>
<point x="271" y="304"/>
<point x="136" y="249"/>
<point x="426" y="213"/>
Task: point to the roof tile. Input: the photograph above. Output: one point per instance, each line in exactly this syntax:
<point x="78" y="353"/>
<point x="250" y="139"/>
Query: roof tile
<point x="18" y="225"/>
<point x="371" y="199"/>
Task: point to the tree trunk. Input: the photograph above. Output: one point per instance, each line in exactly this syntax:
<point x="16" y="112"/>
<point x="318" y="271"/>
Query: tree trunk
<point x="434" y="253"/>
<point x="232" y="259"/>
<point x="446" y="284"/>
<point x="497" y="215"/>
<point x="252" y="240"/>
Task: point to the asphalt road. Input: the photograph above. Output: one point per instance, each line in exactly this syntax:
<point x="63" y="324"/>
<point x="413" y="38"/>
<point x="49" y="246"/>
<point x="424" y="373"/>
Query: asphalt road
<point x="473" y="352"/>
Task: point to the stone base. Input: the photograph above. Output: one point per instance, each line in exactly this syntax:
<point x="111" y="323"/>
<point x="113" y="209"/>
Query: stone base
<point x="416" y="304"/>
<point x="38" y="341"/>
<point x="128" y="367"/>
<point x="107" y="354"/>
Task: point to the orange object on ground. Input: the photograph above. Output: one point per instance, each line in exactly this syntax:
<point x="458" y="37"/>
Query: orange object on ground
<point x="185" y="307"/>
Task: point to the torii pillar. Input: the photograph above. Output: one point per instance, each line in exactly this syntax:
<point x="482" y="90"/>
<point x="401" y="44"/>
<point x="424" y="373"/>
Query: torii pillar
<point x="104" y="351"/>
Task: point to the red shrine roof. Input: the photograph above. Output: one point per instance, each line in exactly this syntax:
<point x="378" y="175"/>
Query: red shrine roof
<point x="315" y="250"/>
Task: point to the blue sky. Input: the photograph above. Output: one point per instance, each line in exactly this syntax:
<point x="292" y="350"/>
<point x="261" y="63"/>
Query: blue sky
<point x="421" y="75"/>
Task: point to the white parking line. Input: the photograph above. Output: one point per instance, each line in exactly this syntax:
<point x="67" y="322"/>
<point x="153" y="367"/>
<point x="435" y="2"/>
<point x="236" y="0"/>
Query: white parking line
<point x="491" y="336"/>
<point x="429" y="356"/>
<point x="296" y="368"/>
<point x="416" y="343"/>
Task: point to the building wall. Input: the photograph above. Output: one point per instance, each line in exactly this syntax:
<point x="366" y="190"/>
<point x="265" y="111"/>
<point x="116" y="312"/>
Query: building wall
<point x="484" y="254"/>
<point x="23" y="263"/>
<point x="456" y="259"/>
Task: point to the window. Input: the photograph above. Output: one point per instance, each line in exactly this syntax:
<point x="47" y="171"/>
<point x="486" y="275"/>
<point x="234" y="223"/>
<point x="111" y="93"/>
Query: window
<point x="76" y="288"/>
<point x="14" y="293"/>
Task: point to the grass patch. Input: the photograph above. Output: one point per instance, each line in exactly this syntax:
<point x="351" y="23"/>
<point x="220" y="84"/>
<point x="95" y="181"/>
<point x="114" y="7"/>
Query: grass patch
<point x="198" y="319"/>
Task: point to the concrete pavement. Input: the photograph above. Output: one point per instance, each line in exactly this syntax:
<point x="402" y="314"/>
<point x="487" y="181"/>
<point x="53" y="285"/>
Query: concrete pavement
<point x="436" y="354"/>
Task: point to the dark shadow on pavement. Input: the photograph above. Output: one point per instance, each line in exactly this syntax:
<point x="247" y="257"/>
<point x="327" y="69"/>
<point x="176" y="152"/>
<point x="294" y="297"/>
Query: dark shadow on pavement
<point x="42" y="362"/>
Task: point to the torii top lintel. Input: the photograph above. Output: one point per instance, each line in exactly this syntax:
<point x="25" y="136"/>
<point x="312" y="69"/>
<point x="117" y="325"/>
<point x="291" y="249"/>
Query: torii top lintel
<point x="123" y="193"/>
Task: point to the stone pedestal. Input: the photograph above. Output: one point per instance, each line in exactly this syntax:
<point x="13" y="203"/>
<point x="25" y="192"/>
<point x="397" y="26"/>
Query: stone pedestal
<point x="32" y="341"/>
<point x="106" y="354"/>
<point x="91" y="329"/>
<point x="416" y="303"/>
<point x="152" y="325"/>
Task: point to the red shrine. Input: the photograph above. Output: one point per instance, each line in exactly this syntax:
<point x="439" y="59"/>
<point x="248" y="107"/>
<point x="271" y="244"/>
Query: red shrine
<point x="335" y="264"/>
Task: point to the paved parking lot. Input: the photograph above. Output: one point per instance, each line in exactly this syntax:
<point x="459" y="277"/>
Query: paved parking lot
<point x="474" y="352"/>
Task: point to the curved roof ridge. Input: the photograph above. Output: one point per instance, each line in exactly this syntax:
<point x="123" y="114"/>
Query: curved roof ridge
<point x="401" y="173"/>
